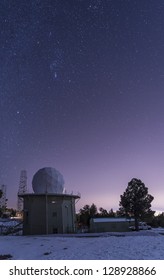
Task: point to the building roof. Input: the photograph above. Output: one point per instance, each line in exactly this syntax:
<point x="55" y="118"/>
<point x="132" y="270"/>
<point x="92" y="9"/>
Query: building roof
<point x="110" y="220"/>
<point x="49" y="194"/>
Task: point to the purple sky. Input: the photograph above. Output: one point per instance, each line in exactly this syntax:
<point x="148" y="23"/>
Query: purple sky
<point x="82" y="90"/>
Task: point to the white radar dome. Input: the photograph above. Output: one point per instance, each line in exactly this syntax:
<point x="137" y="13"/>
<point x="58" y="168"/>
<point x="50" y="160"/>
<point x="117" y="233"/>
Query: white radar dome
<point x="48" y="180"/>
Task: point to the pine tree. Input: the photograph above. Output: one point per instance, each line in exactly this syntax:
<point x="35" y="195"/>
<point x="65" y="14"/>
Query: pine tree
<point x="135" y="201"/>
<point x="87" y="212"/>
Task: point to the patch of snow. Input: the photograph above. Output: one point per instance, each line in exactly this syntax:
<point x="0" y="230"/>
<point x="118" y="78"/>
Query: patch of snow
<point x="142" y="245"/>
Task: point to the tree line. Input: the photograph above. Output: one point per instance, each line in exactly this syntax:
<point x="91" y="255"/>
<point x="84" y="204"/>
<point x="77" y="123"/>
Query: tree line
<point x="135" y="202"/>
<point x="4" y="209"/>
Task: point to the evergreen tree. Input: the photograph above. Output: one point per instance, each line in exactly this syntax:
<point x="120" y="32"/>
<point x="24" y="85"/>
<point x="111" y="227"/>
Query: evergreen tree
<point x="93" y="210"/>
<point x="111" y="213"/>
<point x="103" y="212"/>
<point x="135" y="201"/>
<point x="86" y="213"/>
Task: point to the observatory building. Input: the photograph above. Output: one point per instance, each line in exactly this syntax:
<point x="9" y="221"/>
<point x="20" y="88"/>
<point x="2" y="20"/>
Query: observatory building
<point x="49" y="209"/>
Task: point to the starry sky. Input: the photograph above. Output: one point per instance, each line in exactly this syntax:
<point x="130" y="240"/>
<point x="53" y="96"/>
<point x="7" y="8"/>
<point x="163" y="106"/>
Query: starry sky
<point x="82" y="90"/>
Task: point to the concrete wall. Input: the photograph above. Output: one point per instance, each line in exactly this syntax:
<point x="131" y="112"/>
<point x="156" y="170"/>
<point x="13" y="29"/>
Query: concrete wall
<point x="48" y="214"/>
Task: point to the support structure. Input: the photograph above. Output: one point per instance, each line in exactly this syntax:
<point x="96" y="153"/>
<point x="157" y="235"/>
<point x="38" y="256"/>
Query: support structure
<point x="22" y="189"/>
<point x="3" y="199"/>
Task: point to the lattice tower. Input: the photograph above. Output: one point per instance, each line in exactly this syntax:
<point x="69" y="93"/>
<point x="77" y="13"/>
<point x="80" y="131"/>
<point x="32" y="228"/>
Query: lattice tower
<point x="3" y="198"/>
<point x="22" y="189"/>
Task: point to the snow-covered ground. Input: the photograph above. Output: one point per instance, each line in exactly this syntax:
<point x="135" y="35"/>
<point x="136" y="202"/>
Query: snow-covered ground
<point x="6" y="225"/>
<point x="143" y="245"/>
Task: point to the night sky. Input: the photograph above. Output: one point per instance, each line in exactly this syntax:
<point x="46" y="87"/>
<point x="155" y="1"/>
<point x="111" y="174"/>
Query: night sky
<point x="82" y="90"/>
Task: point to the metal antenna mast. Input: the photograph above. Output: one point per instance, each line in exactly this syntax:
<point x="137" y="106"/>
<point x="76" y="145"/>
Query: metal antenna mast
<point x="3" y="199"/>
<point x="22" y="189"/>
